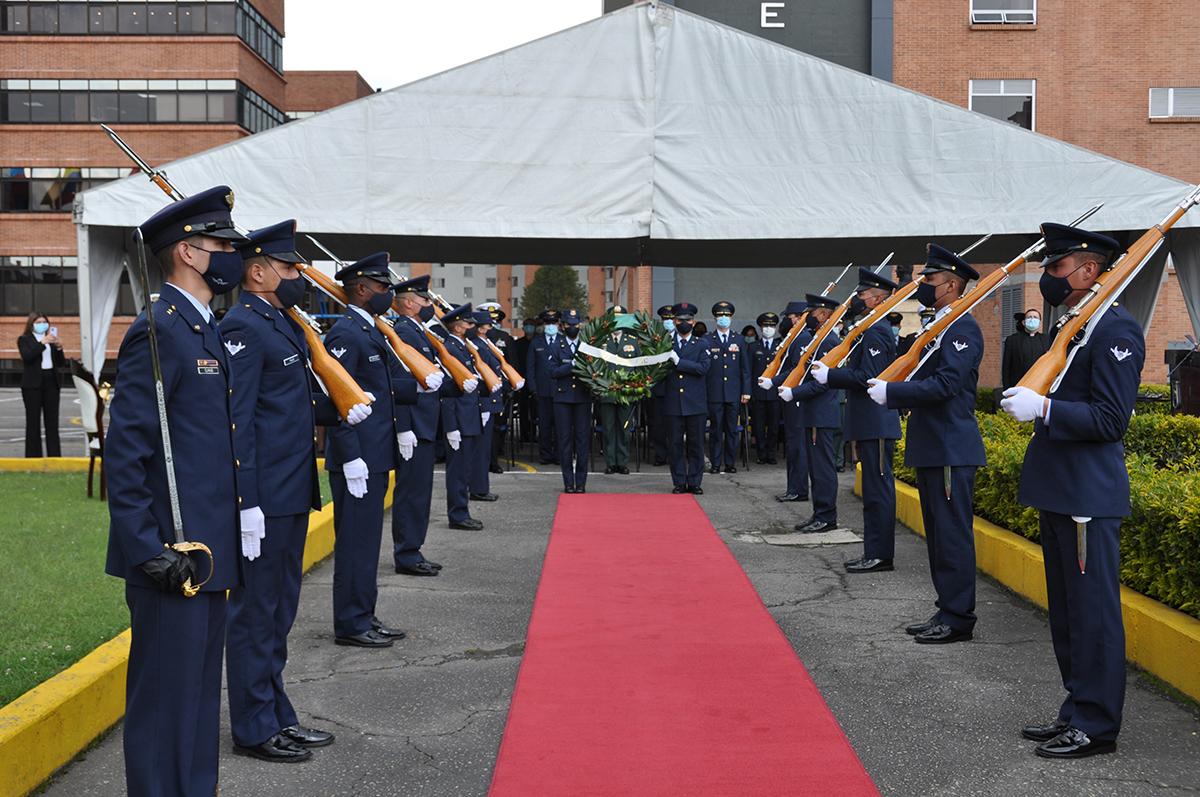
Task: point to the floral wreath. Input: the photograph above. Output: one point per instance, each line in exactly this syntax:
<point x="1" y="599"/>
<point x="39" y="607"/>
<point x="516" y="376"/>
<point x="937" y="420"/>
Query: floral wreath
<point x="623" y="385"/>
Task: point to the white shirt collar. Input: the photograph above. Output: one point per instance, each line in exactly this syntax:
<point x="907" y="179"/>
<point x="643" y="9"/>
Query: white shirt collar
<point x="370" y="319"/>
<point x="205" y="313"/>
<point x="943" y="311"/>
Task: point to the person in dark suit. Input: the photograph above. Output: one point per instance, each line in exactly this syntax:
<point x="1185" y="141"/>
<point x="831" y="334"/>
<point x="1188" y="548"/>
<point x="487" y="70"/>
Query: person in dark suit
<point x="462" y="421"/>
<point x="1023" y="348"/>
<point x="173" y="685"/>
<point x="658" y="398"/>
<point x="820" y="411"/>
<point x="795" y="446"/>
<point x="274" y="414"/>
<point x="728" y="385"/>
<point x="41" y="357"/>
<point x="1074" y="474"/>
<point x="501" y="420"/>
<point x="686" y="403"/>
<point x="875" y="428"/>
<point x="360" y="457"/>
<point x="537" y="375"/>
<point x="945" y="447"/>
<point x="615" y="417"/>
<point x="572" y="407"/>
<point x="765" y="405"/>
<point x="524" y="398"/>
<point x="491" y="405"/>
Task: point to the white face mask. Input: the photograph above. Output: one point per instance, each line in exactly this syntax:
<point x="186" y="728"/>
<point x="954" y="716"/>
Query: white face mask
<point x="768" y="332"/>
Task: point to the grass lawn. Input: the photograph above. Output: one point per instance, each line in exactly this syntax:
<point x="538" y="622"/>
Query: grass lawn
<point x="56" y="603"/>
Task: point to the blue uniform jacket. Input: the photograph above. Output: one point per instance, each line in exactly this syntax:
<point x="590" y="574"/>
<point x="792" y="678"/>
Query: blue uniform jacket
<point x="942" y="429"/>
<point x="196" y="386"/>
<point x="367" y="356"/>
<point x="274" y="409"/>
<point x="568" y="388"/>
<point x="820" y="404"/>
<point x="421" y="418"/>
<point x="686" y="391"/>
<point x="460" y="411"/>
<point x="537" y="365"/>
<point x="760" y="358"/>
<point x="1075" y="465"/>
<point x="728" y="377"/>
<point x="490" y="402"/>
<point x="866" y="420"/>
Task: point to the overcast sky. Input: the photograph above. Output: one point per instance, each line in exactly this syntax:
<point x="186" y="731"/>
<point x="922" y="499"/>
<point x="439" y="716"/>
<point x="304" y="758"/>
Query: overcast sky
<point x="393" y="42"/>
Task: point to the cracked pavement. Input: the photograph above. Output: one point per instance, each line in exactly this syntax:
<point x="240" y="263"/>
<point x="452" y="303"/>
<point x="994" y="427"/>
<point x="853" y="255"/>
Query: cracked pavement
<point x="426" y="716"/>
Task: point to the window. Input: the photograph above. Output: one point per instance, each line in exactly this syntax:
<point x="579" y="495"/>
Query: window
<point x="468" y="293"/>
<point x="41" y="190"/>
<point x="468" y="271"/>
<point x="491" y="282"/>
<point x="48" y="284"/>
<point x="1007" y="12"/>
<point x="440" y="282"/>
<point x="516" y="282"/>
<point x="1165" y="103"/>
<point x="1012" y="298"/>
<point x="1006" y="100"/>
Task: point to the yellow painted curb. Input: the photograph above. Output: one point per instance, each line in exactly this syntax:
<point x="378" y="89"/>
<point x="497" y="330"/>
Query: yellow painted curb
<point x="1161" y="640"/>
<point x="47" y="465"/>
<point x="49" y="725"/>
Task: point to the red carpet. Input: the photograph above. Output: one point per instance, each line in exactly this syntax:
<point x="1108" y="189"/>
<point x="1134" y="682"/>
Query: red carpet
<point x="653" y="668"/>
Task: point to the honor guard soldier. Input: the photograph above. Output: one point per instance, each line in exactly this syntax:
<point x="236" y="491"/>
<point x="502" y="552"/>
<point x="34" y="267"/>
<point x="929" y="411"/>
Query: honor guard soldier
<point x="821" y="414"/>
<point x="417" y="425"/>
<point x="462" y="421"/>
<point x="728" y="383"/>
<point x="658" y="398"/>
<point x="1075" y="475"/>
<point x="875" y="428"/>
<point x="507" y="346"/>
<point x="274" y="412"/>
<point x="765" y="405"/>
<point x="490" y="406"/>
<point x="572" y="407"/>
<point x="173" y="685"/>
<point x="360" y="457"/>
<point x="945" y="447"/>
<point x="793" y="414"/>
<point x="614" y="416"/>
<point x="537" y="375"/>
<point x="687" y="403"/>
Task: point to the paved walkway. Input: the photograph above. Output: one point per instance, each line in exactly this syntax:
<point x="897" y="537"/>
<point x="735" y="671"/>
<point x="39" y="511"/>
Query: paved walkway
<point x="426" y="716"/>
<point x="12" y="424"/>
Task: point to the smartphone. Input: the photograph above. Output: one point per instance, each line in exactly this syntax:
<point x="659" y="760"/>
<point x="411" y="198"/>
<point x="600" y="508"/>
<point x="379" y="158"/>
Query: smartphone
<point x="54" y="331"/>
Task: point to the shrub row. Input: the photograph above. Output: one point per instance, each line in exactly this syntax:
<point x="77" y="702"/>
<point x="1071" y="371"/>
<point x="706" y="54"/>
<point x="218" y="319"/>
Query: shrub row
<point x="1160" y="541"/>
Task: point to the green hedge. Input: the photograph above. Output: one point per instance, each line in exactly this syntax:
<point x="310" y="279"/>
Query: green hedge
<point x="1160" y="541"/>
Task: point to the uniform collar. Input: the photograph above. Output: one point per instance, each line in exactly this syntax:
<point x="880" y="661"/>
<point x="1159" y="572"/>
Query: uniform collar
<point x="370" y="319"/>
<point x="202" y="309"/>
<point x="264" y="307"/>
<point x="942" y="312"/>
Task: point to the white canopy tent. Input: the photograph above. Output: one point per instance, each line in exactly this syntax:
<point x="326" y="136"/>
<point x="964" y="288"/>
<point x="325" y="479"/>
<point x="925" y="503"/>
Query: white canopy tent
<point x="646" y="136"/>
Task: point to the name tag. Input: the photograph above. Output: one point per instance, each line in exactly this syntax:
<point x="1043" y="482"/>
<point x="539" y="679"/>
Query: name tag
<point x="293" y="359"/>
<point x="207" y="367"/>
<point x="374" y="358"/>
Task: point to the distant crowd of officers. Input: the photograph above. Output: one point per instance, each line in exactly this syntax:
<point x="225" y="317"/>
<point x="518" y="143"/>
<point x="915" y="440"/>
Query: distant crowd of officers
<point x="242" y="409"/>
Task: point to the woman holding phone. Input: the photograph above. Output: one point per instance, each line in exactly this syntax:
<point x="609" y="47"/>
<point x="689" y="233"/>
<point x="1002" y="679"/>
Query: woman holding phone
<point x="42" y="355"/>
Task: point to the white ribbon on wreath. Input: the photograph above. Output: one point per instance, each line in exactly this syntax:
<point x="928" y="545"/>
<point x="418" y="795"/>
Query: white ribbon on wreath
<point x="624" y="362"/>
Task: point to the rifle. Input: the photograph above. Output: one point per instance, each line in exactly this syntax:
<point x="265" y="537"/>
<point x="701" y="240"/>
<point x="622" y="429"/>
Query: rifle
<point x="331" y="376"/>
<point x="907" y="364"/>
<point x="490" y="380"/>
<point x="1047" y="373"/>
<point x="772" y="369"/>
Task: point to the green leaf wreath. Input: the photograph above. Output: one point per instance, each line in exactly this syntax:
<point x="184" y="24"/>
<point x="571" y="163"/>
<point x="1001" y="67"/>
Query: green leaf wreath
<point x="623" y="385"/>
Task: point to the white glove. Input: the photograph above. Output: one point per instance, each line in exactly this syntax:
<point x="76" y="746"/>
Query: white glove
<point x="820" y="372"/>
<point x="454" y="439"/>
<point x="254" y="529"/>
<point x="785" y="393"/>
<point x="1023" y="403"/>
<point x="496" y="389"/>
<point x="355" y="472"/>
<point x="470" y="385"/>
<point x="764" y="382"/>
<point x="484" y="417"/>
<point x="434" y="380"/>
<point x="877" y="391"/>
<point x="407" y="442"/>
<point x="519" y="385"/>
<point x="358" y="413"/>
<point x="674" y="356"/>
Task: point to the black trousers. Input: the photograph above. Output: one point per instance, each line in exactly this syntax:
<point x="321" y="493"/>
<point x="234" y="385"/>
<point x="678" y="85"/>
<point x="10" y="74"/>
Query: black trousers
<point x="797" y="449"/>
<point x="42" y="402"/>
<point x="950" y="538"/>
<point x="686" y="455"/>
<point x="879" y="498"/>
<point x="547" y="435"/>
<point x="766" y="426"/>
<point x="723" y="433"/>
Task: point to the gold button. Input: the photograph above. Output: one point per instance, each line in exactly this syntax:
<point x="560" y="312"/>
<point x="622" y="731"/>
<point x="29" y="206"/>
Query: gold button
<point x="233" y="426"/>
<point x="239" y="499"/>
<point x="197" y="327"/>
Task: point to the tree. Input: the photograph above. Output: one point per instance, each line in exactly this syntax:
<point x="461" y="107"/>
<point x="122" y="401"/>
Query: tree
<point x="554" y="288"/>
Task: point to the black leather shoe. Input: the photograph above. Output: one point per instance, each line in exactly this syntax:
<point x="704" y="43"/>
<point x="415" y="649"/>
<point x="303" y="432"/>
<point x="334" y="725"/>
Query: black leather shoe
<point x="714" y="469"/>
<point x="419" y="569"/>
<point x="772" y="461"/>
<point x="548" y="461"/>
<point x="621" y="469"/>
<point x="841" y="469"/>
<point x="470" y="524"/>
<point x="815" y="527"/>
<point x="489" y="497"/>
<point x="570" y="488"/>
<point x="921" y="628"/>
<point x="383" y="631"/>
<point x="658" y="463"/>
<point x="1044" y="733"/>
<point x="762" y="461"/>
<point x="610" y="470"/>
<point x="849" y="562"/>
<point x="432" y="564"/>
<point x="865" y="565"/>
<point x="495" y="469"/>
<point x="581" y="489"/>
<point x="278" y="749"/>
<point x="730" y="469"/>
<point x="696" y="490"/>
<point x="367" y="639"/>
<point x="1074" y="743"/>
<point x="307" y="737"/>
<point x="942" y="634"/>
<point x="679" y="488"/>
<point x="789" y="497"/>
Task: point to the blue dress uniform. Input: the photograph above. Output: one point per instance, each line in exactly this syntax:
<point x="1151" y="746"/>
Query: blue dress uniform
<point x="943" y="439"/>
<point x="369" y="360"/>
<point x="765" y="406"/>
<point x="875" y="428"/>
<point x="658" y="398"/>
<point x="537" y="375"/>
<point x="795" y="448"/>
<point x="727" y="380"/>
<point x="1075" y="466"/>
<point x="411" y="506"/>
<point x="615" y="417"/>
<point x="572" y="409"/>
<point x="461" y="413"/>
<point x="173" y="685"/>
<point x="819" y="408"/>
<point x="491" y="403"/>
<point x="686" y="405"/>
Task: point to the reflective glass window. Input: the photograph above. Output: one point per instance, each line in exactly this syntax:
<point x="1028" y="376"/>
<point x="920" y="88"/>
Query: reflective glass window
<point x="133" y="106"/>
<point x="190" y="18"/>
<point x="43" y="106"/>
<point x="17" y="107"/>
<point x="43" y="18"/>
<point x="221" y="18"/>
<point x="193" y="107"/>
<point x="102" y="18"/>
<point x="72" y="18"/>
<point x="16" y="19"/>
<point x="164" y="107"/>
<point x="73" y="106"/>
<point x="160" y="19"/>
<point x="104" y="106"/>
<point x="131" y="18"/>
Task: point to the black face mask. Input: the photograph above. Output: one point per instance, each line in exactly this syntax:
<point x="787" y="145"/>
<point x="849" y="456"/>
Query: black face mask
<point x="224" y="270"/>
<point x="857" y="307"/>
<point x="1055" y="290"/>
<point x="785" y="326"/>
<point x="380" y="303"/>
<point x="426" y="314"/>
<point x="571" y="331"/>
<point x="684" y="328"/>
<point x="812" y="324"/>
<point x="290" y="291"/>
<point x="926" y="294"/>
<point x="472" y="333"/>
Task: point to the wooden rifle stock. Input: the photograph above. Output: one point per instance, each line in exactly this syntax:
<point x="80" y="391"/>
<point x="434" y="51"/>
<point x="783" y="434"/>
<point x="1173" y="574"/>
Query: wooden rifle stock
<point x="838" y="354"/>
<point x="797" y="375"/>
<point x="490" y="380"/>
<point x="338" y="384"/>
<point x="509" y="372"/>
<point x="772" y="368"/>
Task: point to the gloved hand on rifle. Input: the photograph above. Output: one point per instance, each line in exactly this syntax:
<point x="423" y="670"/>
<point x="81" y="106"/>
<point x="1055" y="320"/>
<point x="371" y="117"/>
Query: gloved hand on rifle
<point x="496" y="389"/>
<point x="785" y="393"/>
<point x="877" y="391"/>
<point x="1024" y="404"/>
<point x="408" y="443"/>
<point x="359" y="412"/>
<point x="764" y="382"/>
<point x="171" y="569"/>
<point x="355" y="472"/>
<point x="254" y="529"/>
<point x="433" y="383"/>
<point x="470" y="385"/>
<point x="454" y="439"/>
<point x="820" y="372"/>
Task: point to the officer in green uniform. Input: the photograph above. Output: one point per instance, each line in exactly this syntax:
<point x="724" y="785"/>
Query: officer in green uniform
<point x="615" y="417"/>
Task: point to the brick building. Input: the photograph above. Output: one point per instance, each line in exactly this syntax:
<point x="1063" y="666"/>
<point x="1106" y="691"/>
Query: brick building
<point x="172" y="78"/>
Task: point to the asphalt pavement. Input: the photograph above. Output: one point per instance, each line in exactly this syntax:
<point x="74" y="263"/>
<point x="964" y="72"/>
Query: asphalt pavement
<point x="70" y="428"/>
<point x="427" y="715"/>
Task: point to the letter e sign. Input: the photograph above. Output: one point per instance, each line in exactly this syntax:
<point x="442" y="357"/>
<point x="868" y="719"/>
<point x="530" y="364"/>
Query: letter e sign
<point x="768" y="14"/>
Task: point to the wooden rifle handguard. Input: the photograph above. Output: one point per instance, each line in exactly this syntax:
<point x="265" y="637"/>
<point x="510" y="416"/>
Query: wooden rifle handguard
<point x="797" y="375"/>
<point x="838" y="354"/>
<point x="342" y="388"/>
<point x="772" y="368"/>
